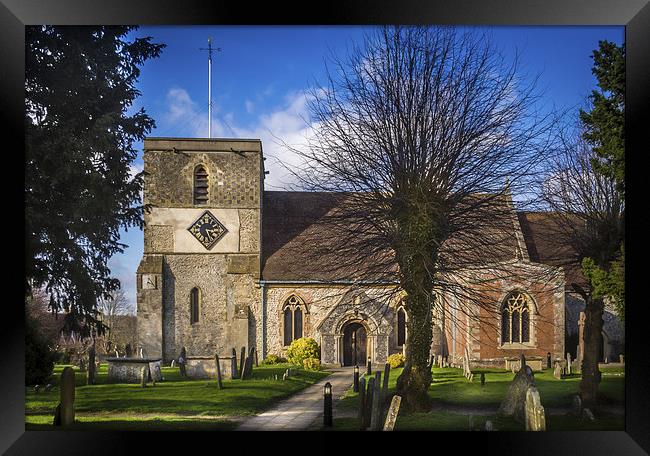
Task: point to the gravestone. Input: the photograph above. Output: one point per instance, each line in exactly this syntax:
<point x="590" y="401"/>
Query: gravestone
<point x="66" y="398"/>
<point x="48" y="387"/>
<point x="117" y="354"/>
<point x="242" y="360"/>
<point x="482" y="379"/>
<point x="581" y="339"/>
<point x="129" y="351"/>
<point x="535" y="417"/>
<point x="568" y="363"/>
<point x="370" y="397"/>
<point x="393" y="411"/>
<point x="587" y="415"/>
<point x="488" y="426"/>
<point x="515" y="400"/>
<point x="233" y="365"/>
<point x="141" y="353"/>
<point x="439" y="360"/>
<point x="376" y="404"/>
<point x="576" y="405"/>
<point x="621" y="359"/>
<point x="218" y="369"/>
<point x="155" y="371"/>
<point x="144" y="373"/>
<point x="173" y="363"/>
<point x="90" y="380"/>
<point x="557" y="371"/>
<point x="285" y="376"/>
<point x="362" y="402"/>
<point x="182" y="359"/>
<point x="384" y="388"/>
<point x="37" y="388"/>
<point x="247" y="366"/>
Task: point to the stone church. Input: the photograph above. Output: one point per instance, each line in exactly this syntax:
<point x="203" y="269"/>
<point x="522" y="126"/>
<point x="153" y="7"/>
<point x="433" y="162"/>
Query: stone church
<point x="220" y="270"/>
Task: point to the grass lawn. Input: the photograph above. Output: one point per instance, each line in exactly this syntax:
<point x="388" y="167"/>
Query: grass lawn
<point x="455" y="399"/>
<point x="175" y="403"/>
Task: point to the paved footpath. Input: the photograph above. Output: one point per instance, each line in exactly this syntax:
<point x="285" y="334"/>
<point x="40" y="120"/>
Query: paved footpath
<point x="302" y="409"/>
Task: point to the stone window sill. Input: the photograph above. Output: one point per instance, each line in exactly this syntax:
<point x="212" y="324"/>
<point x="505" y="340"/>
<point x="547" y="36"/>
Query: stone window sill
<point x="517" y="347"/>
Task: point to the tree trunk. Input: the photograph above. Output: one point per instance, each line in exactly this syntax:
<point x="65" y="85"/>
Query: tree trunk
<point x="593" y="340"/>
<point x="413" y="384"/>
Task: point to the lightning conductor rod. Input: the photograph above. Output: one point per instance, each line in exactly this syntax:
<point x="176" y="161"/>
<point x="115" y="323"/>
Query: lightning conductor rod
<point x="210" y="49"/>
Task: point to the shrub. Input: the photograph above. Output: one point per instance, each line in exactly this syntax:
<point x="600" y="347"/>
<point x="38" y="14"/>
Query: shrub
<point x="301" y="349"/>
<point x="273" y="359"/>
<point x="312" y="364"/>
<point x="395" y="360"/>
<point x="39" y="359"/>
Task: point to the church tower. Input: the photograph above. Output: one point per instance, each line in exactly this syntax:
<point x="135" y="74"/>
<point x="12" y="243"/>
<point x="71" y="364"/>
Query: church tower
<point x="196" y="282"/>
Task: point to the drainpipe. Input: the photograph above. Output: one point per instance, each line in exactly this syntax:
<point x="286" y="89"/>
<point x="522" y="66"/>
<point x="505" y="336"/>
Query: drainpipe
<point x="263" y="291"/>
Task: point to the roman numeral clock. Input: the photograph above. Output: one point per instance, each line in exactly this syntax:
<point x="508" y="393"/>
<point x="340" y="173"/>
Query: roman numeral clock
<point x="207" y="230"/>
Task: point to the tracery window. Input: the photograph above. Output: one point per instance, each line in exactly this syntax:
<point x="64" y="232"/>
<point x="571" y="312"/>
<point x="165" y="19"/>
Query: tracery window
<point x="401" y="326"/>
<point x="195" y="300"/>
<point x="293" y="311"/>
<point x="200" y="185"/>
<point x="515" y="319"/>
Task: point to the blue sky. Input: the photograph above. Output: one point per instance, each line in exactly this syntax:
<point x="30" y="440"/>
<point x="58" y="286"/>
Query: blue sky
<point x="261" y="73"/>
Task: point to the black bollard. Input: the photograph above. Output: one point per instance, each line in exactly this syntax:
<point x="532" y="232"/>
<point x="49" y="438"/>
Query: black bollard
<point x="369" y="371"/>
<point x="356" y="379"/>
<point x="327" y="403"/>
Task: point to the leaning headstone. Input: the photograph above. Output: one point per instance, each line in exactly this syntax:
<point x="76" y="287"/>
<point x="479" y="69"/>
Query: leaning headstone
<point x="515" y="400"/>
<point x="233" y="365"/>
<point x="284" y="376"/>
<point x="535" y="417"/>
<point x="48" y="387"/>
<point x="393" y="411"/>
<point x="67" y="394"/>
<point x="117" y="354"/>
<point x="144" y="374"/>
<point x="488" y="426"/>
<point x="90" y="380"/>
<point x="362" y="402"/>
<point x="218" y="369"/>
<point x="129" y="351"/>
<point x="155" y="372"/>
<point x="376" y="404"/>
<point x="576" y="405"/>
<point x="37" y="388"/>
<point x="367" y="413"/>
<point x="247" y="367"/>
<point x="557" y="371"/>
<point x="173" y="363"/>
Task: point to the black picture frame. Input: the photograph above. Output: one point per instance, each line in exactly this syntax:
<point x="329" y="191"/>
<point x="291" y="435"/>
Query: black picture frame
<point x="633" y="14"/>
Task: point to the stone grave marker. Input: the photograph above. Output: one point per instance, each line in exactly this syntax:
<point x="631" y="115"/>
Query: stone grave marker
<point x="143" y="377"/>
<point x="141" y="353"/>
<point x="384" y="388"/>
<point x="242" y="360"/>
<point x="173" y="363"/>
<point x="367" y="413"/>
<point x="376" y="404"/>
<point x="64" y="415"/>
<point x="489" y="426"/>
<point x="362" y="401"/>
<point x="90" y="379"/>
<point x="155" y="372"/>
<point x="587" y="415"/>
<point x="117" y="354"/>
<point x="233" y="365"/>
<point x="557" y="371"/>
<point x="393" y="411"/>
<point x="515" y="400"/>
<point x="568" y="363"/>
<point x="37" y="388"/>
<point x="182" y="359"/>
<point x="48" y="387"/>
<point x="621" y="359"/>
<point x="535" y="417"/>
<point x="247" y="366"/>
<point x="218" y="369"/>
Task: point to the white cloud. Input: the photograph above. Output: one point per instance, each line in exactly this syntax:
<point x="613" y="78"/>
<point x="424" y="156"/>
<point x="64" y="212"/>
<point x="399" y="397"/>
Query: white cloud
<point x="250" y="106"/>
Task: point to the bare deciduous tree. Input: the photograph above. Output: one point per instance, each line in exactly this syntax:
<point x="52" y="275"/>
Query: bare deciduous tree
<point x="414" y="139"/>
<point x="588" y="216"/>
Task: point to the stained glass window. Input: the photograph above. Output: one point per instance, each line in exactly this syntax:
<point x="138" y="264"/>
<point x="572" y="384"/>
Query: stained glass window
<point x="294" y="310"/>
<point x="515" y="319"/>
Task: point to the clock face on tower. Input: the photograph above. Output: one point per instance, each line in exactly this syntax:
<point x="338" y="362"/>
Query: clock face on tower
<point x="207" y="230"/>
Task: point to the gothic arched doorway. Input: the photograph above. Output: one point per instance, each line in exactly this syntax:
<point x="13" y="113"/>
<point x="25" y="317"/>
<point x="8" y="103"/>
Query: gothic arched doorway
<point x="355" y="343"/>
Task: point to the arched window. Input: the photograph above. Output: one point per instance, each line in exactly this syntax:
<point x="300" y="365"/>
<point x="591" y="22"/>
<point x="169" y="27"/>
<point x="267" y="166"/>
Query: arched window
<point x="200" y="185"/>
<point x="401" y="326"/>
<point x="293" y="311"/>
<point x="515" y="319"/>
<point x="195" y="300"/>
